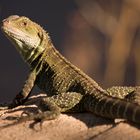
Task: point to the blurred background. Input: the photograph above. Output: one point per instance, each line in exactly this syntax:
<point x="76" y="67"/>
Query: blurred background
<point x="101" y="37"/>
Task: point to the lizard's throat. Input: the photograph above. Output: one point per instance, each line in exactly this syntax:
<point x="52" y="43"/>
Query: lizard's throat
<point x="30" y="57"/>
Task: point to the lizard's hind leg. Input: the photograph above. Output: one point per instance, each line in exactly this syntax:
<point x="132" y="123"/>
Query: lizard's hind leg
<point x="134" y="96"/>
<point x="51" y="107"/>
<point x="131" y="94"/>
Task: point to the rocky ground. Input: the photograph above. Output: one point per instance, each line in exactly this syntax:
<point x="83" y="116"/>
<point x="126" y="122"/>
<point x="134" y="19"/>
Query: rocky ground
<point x="78" y="126"/>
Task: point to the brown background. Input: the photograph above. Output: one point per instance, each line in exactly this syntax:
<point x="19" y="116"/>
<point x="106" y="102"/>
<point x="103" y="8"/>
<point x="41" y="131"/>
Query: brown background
<point x="101" y="37"/>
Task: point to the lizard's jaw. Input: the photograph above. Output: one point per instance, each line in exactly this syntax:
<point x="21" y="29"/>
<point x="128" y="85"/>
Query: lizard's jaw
<point x="16" y="38"/>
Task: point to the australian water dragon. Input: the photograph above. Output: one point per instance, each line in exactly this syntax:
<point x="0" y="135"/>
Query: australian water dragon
<point x="68" y="88"/>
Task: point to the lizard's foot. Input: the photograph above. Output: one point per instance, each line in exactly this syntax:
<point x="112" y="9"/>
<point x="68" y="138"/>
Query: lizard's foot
<point x="134" y="96"/>
<point x="6" y="106"/>
<point x="16" y="102"/>
<point x="47" y="111"/>
<point x="38" y="117"/>
<point x="3" y="108"/>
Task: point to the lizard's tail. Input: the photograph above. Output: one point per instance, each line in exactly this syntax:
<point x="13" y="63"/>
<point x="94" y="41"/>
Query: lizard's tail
<point x="112" y="107"/>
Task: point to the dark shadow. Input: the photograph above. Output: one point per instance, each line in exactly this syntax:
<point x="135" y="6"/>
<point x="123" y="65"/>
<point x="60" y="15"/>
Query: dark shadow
<point x="113" y="126"/>
<point x="95" y="136"/>
<point x="91" y="120"/>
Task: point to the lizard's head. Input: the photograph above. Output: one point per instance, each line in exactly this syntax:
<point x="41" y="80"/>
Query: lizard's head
<point x="27" y="36"/>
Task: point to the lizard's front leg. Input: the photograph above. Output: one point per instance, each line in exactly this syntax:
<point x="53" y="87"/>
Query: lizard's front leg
<point x="24" y="94"/>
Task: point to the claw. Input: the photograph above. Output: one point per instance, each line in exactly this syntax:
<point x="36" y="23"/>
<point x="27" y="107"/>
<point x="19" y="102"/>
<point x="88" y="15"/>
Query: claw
<point x="32" y="125"/>
<point x="4" y="106"/>
<point x="26" y="113"/>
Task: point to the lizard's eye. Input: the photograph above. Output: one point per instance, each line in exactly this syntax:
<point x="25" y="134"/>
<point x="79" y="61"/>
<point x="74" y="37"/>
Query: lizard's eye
<point x="23" y="24"/>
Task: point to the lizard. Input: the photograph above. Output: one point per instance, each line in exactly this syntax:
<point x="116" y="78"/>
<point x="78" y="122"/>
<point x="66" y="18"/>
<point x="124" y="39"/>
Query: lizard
<point x="67" y="87"/>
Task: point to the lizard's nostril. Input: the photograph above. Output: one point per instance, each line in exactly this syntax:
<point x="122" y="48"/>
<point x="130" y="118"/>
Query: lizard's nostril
<point x="6" y="21"/>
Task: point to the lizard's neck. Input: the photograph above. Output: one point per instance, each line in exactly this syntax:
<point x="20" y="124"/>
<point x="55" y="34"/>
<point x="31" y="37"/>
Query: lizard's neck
<point x="54" y="73"/>
<point x="54" y="59"/>
<point x="49" y="57"/>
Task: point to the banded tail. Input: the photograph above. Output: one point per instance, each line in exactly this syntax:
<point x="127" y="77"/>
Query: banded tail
<point x="111" y="107"/>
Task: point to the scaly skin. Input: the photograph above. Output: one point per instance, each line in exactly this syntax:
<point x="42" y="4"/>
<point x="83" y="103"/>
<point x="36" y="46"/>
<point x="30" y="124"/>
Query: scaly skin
<point x="67" y="87"/>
